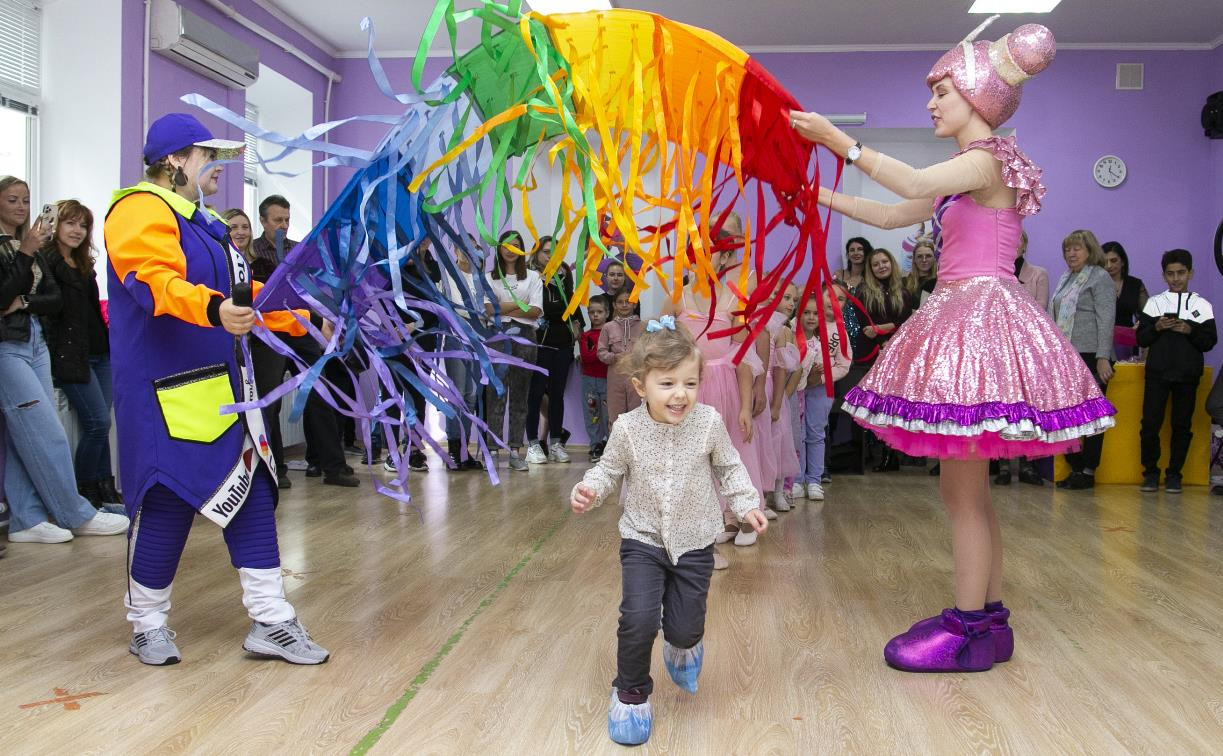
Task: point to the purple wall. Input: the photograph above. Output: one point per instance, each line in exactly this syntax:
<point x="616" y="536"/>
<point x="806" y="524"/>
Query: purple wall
<point x="1071" y="115"/>
<point x="168" y="81"/>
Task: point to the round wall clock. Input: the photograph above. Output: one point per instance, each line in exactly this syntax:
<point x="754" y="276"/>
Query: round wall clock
<point x="1109" y="171"/>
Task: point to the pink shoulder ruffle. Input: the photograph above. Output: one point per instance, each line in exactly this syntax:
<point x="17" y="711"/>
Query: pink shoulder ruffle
<point x="787" y="357"/>
<point x="1018" y="172"/>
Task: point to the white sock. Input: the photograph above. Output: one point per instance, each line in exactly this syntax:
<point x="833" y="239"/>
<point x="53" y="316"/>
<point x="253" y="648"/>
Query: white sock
<point x="263" y="595"/>
<point x="147" y="608"/>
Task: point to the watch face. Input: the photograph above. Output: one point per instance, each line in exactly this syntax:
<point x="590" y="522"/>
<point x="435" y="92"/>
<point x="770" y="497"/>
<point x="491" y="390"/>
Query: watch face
<point x="1109" y="171"/>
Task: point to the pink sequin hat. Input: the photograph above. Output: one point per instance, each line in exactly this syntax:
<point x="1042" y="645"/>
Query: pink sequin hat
<point x="990" y="75"/>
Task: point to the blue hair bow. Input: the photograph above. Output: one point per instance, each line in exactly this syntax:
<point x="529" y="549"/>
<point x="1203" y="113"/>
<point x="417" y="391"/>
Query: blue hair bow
<point x="666" y="321"/>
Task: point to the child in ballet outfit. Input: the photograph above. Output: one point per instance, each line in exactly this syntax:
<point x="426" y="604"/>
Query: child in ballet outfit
<point x="668" y="451"/>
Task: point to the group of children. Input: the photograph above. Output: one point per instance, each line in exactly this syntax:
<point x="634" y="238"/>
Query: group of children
<point x="780" y="414"/>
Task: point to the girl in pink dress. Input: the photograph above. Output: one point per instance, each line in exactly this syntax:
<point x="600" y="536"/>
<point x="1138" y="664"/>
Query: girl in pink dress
<point x="951" y="384"/>
<point x="784" y="361"/>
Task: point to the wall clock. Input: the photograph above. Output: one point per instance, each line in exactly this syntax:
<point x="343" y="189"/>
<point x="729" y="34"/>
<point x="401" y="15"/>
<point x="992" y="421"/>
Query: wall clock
<point x="1109" y="171"/>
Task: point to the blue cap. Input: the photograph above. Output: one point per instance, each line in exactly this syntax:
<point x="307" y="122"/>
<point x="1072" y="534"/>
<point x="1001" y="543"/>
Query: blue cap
<point x="176" y="131"/>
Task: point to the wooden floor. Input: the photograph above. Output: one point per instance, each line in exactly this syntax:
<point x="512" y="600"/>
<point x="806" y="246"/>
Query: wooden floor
<point x="487" y="625"/>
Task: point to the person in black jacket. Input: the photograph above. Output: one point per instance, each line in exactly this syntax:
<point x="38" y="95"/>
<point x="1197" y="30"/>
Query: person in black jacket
<point x="38" y="477"/>
<point x="79" y="342"/>
<point x="1177" y="327"/>
<point x="556" y="338"/>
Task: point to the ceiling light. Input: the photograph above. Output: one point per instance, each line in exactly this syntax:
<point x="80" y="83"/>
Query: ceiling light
<point x="1013" y="6"/>
<point x="548" y="7"/>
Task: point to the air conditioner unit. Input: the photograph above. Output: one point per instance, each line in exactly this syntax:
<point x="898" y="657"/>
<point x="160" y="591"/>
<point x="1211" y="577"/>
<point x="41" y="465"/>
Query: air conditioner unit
<point x="189" y="40"/>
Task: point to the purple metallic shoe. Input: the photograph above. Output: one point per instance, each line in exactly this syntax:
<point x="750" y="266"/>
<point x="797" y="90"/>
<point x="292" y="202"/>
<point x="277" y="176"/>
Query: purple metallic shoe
<point x="954" y="644"/>
<point x="1004" y="637"/>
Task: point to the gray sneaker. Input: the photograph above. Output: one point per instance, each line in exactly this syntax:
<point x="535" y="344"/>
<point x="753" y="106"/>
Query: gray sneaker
<point x="518" y="463"/>
<point x="155" y="647"/>
<point x="287" y="640"/>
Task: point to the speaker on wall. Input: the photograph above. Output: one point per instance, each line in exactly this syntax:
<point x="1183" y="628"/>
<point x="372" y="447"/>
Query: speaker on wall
<point x="1212" y="116"/>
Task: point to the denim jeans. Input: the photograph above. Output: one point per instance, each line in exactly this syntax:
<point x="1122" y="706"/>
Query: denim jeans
<point x="463" y="373"/>
<point x="92" y="403"/>
<point x="38" y="478"/>
<point x="594" y="395"/>
<point x="816" y="407"/>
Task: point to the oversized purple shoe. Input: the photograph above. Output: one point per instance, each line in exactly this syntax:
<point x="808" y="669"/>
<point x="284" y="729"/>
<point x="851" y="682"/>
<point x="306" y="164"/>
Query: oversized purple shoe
<point x="954" y="644"/>
<point x="1004" y="636"/>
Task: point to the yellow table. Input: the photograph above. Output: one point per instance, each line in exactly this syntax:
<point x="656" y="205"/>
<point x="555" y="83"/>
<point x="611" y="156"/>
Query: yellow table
<point x="1121" y="460"/>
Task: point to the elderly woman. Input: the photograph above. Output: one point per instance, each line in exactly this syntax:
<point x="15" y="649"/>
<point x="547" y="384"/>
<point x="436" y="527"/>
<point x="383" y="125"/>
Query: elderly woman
<point x="1084" y="305"/>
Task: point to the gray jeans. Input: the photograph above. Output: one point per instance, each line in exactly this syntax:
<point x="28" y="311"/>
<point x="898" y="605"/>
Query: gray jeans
<point x="651" y="586"/>
<point x="517" y="383"/>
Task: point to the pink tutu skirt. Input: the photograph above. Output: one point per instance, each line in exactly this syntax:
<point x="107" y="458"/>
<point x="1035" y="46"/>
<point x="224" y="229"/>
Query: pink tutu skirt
<point x="980" y="371"/>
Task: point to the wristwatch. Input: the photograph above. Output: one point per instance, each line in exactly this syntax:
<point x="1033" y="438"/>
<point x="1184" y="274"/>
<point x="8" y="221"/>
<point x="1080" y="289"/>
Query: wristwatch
<point x="854" y="153"/>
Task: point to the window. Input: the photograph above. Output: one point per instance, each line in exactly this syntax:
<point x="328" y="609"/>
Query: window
<point x="250" y="167"/>
<point x="20" y="82"/>
<point x="20" y="46"/>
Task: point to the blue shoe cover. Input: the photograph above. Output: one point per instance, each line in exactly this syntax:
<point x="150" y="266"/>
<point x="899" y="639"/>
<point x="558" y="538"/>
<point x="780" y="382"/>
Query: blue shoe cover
<point x="684" y="664"/>
<point x="629" y="724"/>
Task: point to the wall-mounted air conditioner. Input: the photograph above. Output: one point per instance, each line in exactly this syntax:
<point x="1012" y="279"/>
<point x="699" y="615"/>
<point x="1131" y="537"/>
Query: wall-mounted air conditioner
<point x="189" y="40"/>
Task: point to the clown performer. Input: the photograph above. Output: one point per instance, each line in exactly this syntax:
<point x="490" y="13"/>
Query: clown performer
<point x="177" y="339"/>
<point x="952" y="384"/>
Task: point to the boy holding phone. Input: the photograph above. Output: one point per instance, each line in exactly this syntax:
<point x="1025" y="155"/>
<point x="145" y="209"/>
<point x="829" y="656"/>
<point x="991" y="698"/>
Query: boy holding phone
<point x="1177" y="327"/>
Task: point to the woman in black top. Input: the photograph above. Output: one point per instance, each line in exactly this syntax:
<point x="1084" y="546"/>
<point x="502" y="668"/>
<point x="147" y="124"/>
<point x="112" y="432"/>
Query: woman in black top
<point x="887" y="303"/>
<point x="556" y="338"/>
<point x="38" y="477"/>
<point x="79" y="342"/>
<point x="1131" y="297"/>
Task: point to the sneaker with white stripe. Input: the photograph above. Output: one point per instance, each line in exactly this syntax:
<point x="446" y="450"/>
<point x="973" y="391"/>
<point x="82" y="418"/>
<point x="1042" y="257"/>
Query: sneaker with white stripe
<point x="287" y="640"/>
<point x="155" y="647"/>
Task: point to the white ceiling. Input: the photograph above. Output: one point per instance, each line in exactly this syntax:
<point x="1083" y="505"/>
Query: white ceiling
<point x="765" y="25"/>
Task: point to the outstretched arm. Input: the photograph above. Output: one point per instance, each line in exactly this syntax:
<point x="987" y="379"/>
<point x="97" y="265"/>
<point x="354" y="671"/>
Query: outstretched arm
<point x="878" y="214"/>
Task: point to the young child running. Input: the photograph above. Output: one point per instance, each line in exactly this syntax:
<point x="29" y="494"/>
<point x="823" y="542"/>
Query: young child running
<point x="616" y="340"/>
<point x="594" y="376"/>
<point x="808" y="383"/>
<point x="668" y="450"/>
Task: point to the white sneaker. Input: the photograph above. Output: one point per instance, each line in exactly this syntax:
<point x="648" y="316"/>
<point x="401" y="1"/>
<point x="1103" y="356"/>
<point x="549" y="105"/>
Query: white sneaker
<point x="536" y="455"/>
<point x="557" y="453"/>
<point x="389" y="465"/>
<point x="769" y="513"/>
<point x="103" y="524"/>
<point x="745" y="537"/>
<point x="43" y="532"/>
<point x="796" y="491"/>
<point x="815" y="492"/>
<point x="780" y="502"/>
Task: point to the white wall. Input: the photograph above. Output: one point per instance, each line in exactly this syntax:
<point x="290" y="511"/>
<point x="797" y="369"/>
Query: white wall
<point x="79" y="116"/>
<point x="288" y="108"/>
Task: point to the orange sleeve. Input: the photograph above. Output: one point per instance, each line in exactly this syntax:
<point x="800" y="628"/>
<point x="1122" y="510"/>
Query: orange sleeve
<point x="143" y="244"/>
<point x="282" y="320"/>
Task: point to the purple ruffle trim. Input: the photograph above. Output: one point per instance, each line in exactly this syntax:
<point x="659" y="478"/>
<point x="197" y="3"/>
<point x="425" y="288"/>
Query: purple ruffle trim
<point x="933" y="414"/>
<point x="1018" y="172"/>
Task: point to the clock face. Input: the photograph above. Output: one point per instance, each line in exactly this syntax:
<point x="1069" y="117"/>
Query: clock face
<point x="1109" y="171"/>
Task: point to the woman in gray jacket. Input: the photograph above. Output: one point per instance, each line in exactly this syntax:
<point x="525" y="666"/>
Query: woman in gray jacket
<point x="1084" y="305"/>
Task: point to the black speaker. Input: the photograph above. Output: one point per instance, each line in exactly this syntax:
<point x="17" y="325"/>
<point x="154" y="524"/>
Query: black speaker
<point x="1212" y="116"/>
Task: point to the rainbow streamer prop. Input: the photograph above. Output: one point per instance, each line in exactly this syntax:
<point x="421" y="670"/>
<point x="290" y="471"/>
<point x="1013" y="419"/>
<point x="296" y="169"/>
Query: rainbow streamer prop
<point x="640" y="116"/>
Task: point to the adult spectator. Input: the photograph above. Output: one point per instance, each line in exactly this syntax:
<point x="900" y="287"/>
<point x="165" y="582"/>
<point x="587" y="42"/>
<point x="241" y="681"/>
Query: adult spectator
<point x="887" y="306"/>
<point x="79" y="343"/>
<point x="38" y="479"/>
<point x="520" y="297"/>
<point x="1084" y="306"/>
<point x="923" y="276"/>
<point x="853" y="272"/>
<point x="320" y="421"/>
<point x="556" y="337"/>
<point x="1131" y="298"/>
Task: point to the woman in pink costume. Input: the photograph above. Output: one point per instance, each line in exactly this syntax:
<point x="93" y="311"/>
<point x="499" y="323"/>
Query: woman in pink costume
<point x="951" y="384"/>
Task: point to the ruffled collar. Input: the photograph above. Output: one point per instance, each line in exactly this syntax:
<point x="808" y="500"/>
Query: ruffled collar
<point x="1018" y="171"/>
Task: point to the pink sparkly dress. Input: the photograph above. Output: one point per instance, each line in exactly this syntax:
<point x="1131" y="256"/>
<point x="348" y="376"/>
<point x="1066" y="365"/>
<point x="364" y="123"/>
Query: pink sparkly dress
<point x="980" y="371"/>
<point x="720" y="384"/>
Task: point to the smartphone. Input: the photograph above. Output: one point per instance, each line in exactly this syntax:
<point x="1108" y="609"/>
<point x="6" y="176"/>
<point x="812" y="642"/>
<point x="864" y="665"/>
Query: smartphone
<point x="49" y="216"/>
<point x="1173" y="315"/>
